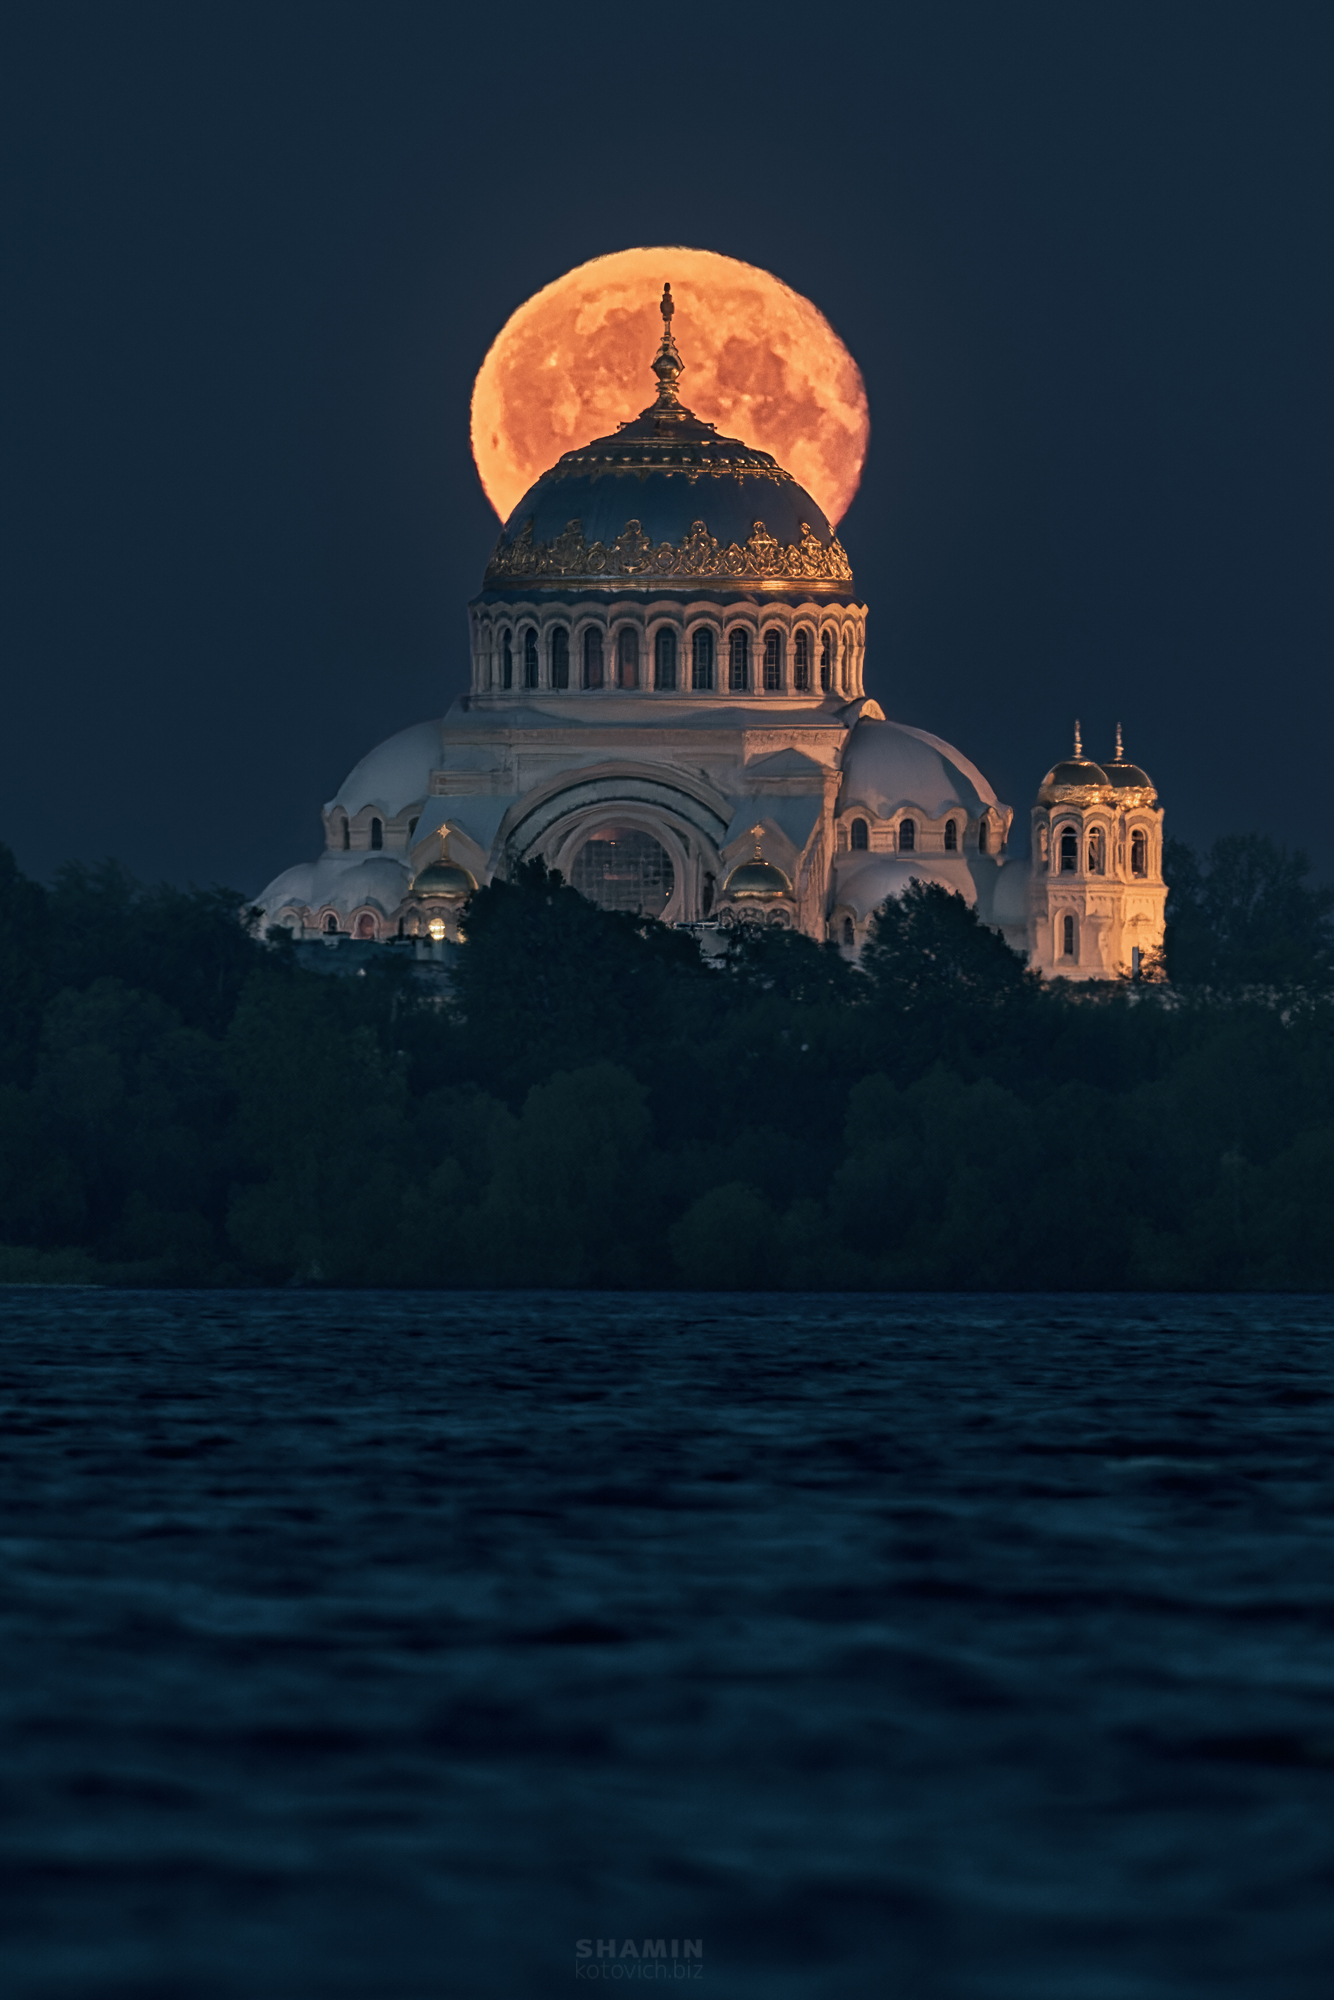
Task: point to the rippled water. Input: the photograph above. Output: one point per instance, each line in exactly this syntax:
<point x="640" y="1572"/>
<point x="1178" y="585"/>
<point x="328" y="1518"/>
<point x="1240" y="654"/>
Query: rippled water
<point x="388" y="1645"/>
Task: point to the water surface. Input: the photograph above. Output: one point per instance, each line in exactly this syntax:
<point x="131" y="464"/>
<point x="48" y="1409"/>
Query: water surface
<point x="390" y="1644"/>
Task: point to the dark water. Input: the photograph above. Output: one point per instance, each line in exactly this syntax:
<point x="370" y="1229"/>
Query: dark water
<point x="389" y="1645"/>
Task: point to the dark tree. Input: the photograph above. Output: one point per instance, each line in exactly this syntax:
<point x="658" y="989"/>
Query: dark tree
<point x="929" y="947"/>
<point x="1246" y="916"/>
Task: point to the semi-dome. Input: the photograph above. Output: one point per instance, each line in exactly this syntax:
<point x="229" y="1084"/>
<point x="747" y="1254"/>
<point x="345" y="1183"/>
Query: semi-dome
<point x="888" y="765"/>
<point x="667" y="501"/>
<point x="443" y="878"/>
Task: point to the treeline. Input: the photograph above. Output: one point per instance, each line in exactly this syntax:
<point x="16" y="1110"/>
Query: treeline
<point x="595" y="1105"/>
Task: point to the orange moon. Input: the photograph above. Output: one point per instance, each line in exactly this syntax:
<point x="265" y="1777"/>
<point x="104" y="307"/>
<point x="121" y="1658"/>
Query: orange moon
<point x="761" y="362"/>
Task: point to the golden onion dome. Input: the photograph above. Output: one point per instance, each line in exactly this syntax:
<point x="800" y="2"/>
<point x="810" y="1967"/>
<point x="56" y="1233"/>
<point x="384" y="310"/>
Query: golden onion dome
<point x="666" y="501"/>
<point x="759" y="880"/>
<point x="1123" y="776"/>
<point x="443" y="878"/>
<point x="1074" y="778"/>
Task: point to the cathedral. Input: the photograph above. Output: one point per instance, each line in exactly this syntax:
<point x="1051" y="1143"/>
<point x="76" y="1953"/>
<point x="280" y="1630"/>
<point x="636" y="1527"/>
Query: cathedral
<point x="668" y="705"/>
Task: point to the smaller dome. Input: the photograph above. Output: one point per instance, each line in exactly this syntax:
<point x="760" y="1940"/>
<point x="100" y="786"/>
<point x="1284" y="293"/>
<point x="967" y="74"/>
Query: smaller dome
<point x="443" y="878"/>
<point x="1124" y="777"/>
<point x="758" y="879"/>
<point x="1072" y="774"/>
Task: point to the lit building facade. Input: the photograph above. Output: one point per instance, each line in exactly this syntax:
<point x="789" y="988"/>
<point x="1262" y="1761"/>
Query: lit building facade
<point x="667" y="703"/>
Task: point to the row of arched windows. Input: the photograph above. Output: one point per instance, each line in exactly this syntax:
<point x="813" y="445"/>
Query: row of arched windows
<point x="377" y="833"/>
<point x="667" y="675"/>
<point x="860" y="836"/>
<point x="1067" y="852"/>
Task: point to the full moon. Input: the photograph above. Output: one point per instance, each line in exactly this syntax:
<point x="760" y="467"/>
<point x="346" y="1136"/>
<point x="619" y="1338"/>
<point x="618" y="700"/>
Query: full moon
<point x="761" y="362"/>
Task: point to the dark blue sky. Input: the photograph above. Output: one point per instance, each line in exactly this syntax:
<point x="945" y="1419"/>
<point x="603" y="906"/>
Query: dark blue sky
<point x="254" y="255"/>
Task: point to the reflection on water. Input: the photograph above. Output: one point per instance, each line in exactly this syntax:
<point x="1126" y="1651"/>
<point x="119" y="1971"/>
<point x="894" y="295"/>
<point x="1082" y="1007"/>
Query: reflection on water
<point x="392" y="1644"/>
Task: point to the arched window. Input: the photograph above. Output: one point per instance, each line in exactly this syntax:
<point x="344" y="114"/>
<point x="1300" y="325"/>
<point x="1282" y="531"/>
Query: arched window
<point x="592" y="659"/>
<point x="560" y="657"/>
<point x="627" y="658"/>
<point x="506" y="661"/>
<point x="827" y="662"/>
<point x="738" y="662"/>
<point x="952" y="837"/>
<point x="1067" y="937"/>
<point x="1069" y="852"/>
<point x="530" y="657"/>
<point x="1042" y="847"/>
<point x="664" y="660"/>
<point x="860" y="836"/>
<point x="331" y="926"/>
<point x="773" y="662"/>
<point x="1097" y="852"/>
<point x="801" y="662"/>
<point x="1139" y="852"/>
<point x="849" y="935"/>
<point x="365" y="925"/>
<point x="347" y="834"/>
<point x="701" y="661"/>
<point x="907" y="836"/>
<point x="377" y="833"/>
<point x="984" y="835"/>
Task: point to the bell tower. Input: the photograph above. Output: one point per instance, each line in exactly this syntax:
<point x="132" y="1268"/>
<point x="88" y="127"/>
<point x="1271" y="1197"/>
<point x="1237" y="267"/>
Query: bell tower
<point x="1097" y="895"/>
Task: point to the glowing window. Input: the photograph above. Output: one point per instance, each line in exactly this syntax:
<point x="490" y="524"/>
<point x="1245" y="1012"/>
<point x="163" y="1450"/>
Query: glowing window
<point x="773" y="662"/>
<point x="560" y="658"/>
<point x="530" y="658"/>
<point x="907" y="835"/>
<point x="738" y="662"/>
<point x="1139" y="852"/>
<point x="507" y="662"/>
<point x="622" y="868"/>
<point x="365" y="926"/>
<point x="860" y="836"/>
<point x="377" y="833"/>
<point x="1069" y="852"/>
<point x="627" y="658"/>
<point x="592" y="659"/>
<point x="701" y="661"/>
<point x="952" y="837"/>
<point x="664" y="660"/>
<point x="801" y="662"/>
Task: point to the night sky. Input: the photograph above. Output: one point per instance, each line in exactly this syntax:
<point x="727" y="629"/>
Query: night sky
<point x="253" y="257"/>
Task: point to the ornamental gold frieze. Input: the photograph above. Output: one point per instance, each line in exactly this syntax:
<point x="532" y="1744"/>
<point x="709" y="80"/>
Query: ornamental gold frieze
<point x="635" y="557"/>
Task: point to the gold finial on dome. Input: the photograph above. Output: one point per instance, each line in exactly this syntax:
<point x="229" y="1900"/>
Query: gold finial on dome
<point x="667" y="363"/>
<point x="1079" y="748"/>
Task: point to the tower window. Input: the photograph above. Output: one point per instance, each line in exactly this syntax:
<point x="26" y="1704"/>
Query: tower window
<point x="827" y="662"/>
<point x="560" y="658"/>
<point x="907" y="836"/>
<point x="984" y="836"/>
<point x="801" y="662"/>
<point x="1067" y="937"/>
<point x="1097" y="852"/>
<point x="773" y="662"/>
<point x="860" y="836"/>
<point x="592" y="659"/>
<point x="377" y="833"/>
<point x="347" y="834"/>
<point x="530" y="657"/>
<point x="701" y="658"/>
<point x="1069" y="852"/>
<point x="738" y="662"/>
<point x="627" y="658"/>
<point x="1139" y="852"/>
<point x="952" y="837"/>
<point x="664" y="660"/>
<point x="507" y="661"/>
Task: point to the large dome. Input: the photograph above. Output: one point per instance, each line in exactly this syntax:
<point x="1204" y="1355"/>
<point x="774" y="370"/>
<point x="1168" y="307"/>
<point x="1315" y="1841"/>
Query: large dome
<point x="667" y="500"/>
